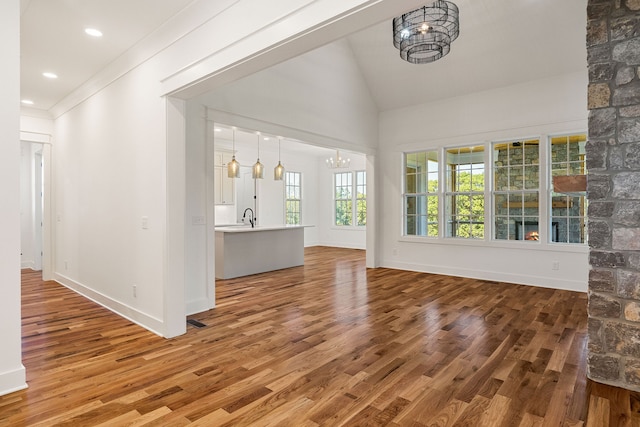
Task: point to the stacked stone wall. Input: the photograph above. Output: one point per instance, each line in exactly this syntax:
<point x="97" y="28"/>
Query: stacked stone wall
<point x="613" y="190"/>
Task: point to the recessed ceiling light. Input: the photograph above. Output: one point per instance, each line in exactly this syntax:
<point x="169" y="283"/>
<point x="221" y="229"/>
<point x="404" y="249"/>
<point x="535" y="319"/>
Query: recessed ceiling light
<point x="50" y="75"/>
<point x="217" y="130"/>
<point x="93" y="32"/>
<point x="27" y="102"/>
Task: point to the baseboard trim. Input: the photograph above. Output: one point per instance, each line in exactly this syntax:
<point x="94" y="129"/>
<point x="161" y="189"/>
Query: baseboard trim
<point x="13" y="381"/>
<point x="341" y="245"/>
<point x="142" y="319"/>
<point x="28" y="264"/>
<point x="198" y="306"/>
<point x="518" y="279"/>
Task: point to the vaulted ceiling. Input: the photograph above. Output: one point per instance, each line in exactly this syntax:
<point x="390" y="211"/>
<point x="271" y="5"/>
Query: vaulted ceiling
<point x="501" y="43"/>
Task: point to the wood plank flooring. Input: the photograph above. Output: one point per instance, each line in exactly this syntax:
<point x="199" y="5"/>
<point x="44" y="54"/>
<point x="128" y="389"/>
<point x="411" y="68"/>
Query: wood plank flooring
<point x="327" y="344"/>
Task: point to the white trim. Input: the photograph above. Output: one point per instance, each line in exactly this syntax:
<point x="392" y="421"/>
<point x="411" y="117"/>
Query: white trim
<point x="340" y="245"/>
<point x="506" y="244"/>
<point x="520" y="279"/>
<point x="288" y="132"/>
<point x="199" y="305"/>
<point x="210" y="212"/>
<point x="144" y="320"/>
<point x="273" y="36"/>
<point x="173" y="289"/>
<point x="8" y="380"/>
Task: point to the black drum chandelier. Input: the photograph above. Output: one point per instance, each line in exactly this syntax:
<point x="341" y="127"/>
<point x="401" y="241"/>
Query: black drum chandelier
<point x="425" y="35"/>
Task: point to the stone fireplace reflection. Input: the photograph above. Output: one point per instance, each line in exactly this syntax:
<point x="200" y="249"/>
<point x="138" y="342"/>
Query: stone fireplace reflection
<point x="529" y="230"/>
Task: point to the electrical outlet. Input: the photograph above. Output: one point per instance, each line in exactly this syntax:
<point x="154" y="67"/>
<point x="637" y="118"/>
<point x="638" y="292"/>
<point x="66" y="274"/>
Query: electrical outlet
<point x="394" y="251"/>
<point x="555" y="265"/>
<point x="66" y="265"/>
<point x="145" y="222"/>
<point x="135" y="291"/>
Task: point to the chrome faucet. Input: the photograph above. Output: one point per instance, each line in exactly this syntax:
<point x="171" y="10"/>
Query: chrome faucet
<point x="252" y="220"/>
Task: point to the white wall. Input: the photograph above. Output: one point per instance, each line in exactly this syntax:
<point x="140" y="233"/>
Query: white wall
<point x="199" y="290"/>
<point x="12" y="373"/>
<point x="319" y="97"/>
<point x="109" y="170"/>
<point x="35" y="126"/>
<point x="115" y="153"/>
<point x="537" y="108"/>
<point x="330" y="234"/>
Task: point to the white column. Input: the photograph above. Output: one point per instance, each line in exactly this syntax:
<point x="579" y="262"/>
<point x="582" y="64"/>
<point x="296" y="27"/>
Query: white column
<point x="12" y="373"/>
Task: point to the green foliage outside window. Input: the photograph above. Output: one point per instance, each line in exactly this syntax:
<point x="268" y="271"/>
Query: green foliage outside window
<point x="465" y="192"/>
<point x="293" y="197"/>
<point x="350" y="193"/>
<point x="421" y="194"/>
<point x="468" y="216"/>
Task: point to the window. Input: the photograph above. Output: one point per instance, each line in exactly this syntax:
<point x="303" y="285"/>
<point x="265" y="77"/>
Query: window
<point x="350" y="198"/>
<point x="421" y="194"/>
<point x="516" y="183"/>
<point x="293" y="197"/>
<point x="361" y="198"/>
<point x="464" y="195"/>
<point x="511" y="188"/>
<point x="567" y="155"/>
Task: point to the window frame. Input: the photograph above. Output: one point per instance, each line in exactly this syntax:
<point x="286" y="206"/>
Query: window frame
<point x="545" y="188"/>
<point x="551" y="194"/>
<point x="296" y="201"/>
<point x="423" y="225"/>
<point x="352" y="199"/>
<point x="360" y="182"/>
<point x="451" y="196"/>
<point x="524" y="194"/>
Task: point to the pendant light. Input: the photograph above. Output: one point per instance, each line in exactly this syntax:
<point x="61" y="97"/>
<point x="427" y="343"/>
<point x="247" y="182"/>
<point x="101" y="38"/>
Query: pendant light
<point x="258" y="168"/>
<point x="233" y="167"/>
<point x="278" y="171"/>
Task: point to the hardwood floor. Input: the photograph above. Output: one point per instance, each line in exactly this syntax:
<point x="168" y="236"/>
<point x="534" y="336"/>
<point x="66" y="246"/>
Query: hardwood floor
<point x="330" y="343"/>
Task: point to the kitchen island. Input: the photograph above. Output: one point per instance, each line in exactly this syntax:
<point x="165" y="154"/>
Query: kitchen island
<point x="243" y="250"/>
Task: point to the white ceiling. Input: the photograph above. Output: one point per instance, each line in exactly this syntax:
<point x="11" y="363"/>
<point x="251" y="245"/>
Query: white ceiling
<point x="501" y="42"/>
<point x="52" y="39"/>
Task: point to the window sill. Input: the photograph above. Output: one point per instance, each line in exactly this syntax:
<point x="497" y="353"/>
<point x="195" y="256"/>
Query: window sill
<point x="349" y="227"/>
<point x="506" y="244"/>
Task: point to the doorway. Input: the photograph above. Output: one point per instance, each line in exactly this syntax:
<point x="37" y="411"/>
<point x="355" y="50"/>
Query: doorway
<point x="31" y="205"/>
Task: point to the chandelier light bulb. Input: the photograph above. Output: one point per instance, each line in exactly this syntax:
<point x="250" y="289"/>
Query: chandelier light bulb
<point x="337" y="161"/>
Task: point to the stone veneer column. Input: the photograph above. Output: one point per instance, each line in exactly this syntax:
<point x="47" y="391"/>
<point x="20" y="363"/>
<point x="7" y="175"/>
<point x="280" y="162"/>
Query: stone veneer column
<point x="613" y="190"/>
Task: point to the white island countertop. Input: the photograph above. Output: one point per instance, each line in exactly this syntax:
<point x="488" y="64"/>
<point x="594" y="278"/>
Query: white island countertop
<point x="242" y="250"/>
<point x="247" y="228"/>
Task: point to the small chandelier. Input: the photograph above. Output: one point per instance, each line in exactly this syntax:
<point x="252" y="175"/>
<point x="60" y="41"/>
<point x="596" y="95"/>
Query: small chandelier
<point x="425" y="35"/>
<point x="258" y="168"/>
<point x="278" y="171"/>
<point x="338" y="161"/>
<point x="233" y="167"/>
